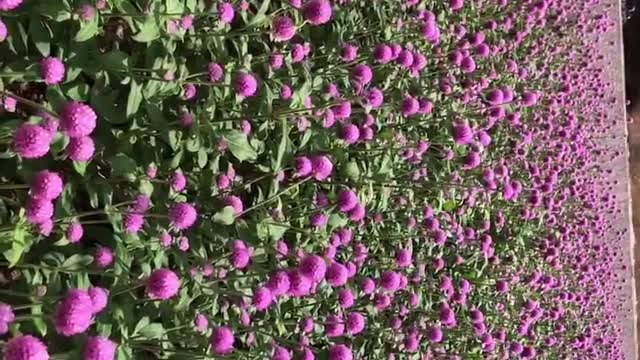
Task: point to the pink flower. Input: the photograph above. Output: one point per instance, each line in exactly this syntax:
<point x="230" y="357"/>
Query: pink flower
<point x="283" y="28"/>
<point x="75" y="313"/>
<point x="52" y="70"/>
<point x="25" y="347"/>
<point x="226" y="12"/>
<point x="39" y="210"/>
<point x="163" y="284"/>
<point x="31" y="141"/>
<point x="317" y="12"/>
<point x="99" y="348"/>
<point x="77" y="119"/>
<point x="103" y="257"/>
<point x="222" y="340"/>
<point x="81" y="148"/>
<point x="6" y="5"/>
<point x="183" y="215"/>
<point x="245" y="84"/>
<point x="47" y="185"/>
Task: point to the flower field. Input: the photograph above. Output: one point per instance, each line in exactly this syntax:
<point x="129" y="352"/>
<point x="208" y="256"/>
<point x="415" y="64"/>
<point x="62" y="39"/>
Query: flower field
<point x="308" y="179"/>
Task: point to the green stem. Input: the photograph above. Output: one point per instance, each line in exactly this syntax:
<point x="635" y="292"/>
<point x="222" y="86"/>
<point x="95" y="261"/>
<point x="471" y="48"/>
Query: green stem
<point x="14" y="186"/>
<point x="28" y="102"/>
<point x="273" y="197"/>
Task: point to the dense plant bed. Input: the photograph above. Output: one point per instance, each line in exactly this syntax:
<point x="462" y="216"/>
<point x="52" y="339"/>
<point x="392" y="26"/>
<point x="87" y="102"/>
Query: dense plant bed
<point x="191" y="179"/>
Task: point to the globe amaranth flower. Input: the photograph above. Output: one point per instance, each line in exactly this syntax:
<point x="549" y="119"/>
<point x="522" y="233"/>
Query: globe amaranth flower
<point x="390" y="280"/>
<point x="133" y="223"/>
<point x="357" y="213"/>
<point x="201" y="323"/>
<point x="183" y="215"/>
<point x="178" y="181"/>
<point x="346" y="298"/>
<point x="350" y="134"/>
<point x="4" y="32"/>
<point x="382" y="53"/>
<point x="374" y="98"/>
<point x="278" y="283"/>
<point x="456" y="4"/>
<point x="235" y="202"/>
<point x="240" y="257"/>
<point x="226" y="12"/>
<point x="81" y="148"/>
<point x="6" y="5"/>
<point x="46" y="227"/>
<point x="216" y="72"/>
<point x="99" y="298"/>
<point x="10" y="103"/>
<point x="349" y="52"/>
<point x="322" y="167"/>
<point x="74" y="232"/>
<point x="39" y="210"/>
<point x="313" y="267"/>
<point x="276" y="61"/>
<point x="462" y="134"/>
<point x="317" y="12"/>
<point x="347" y="200"/>
<point x="245" y="84"/>
<point x="355" y="323"/>
<point x="47" y="185"/>
<point x="77" y="119"/>
<point x="52" y="70"/>
<point x="299" y="285"/>
<point x="280" y="353"/>
<point x="262" y="298"/>
<point x="340" y="352"/>
<point x="6" y="317"/>
<point x="75" y="314"/>
<point x="103" y="257"/>
<point x="319" y="220"/>
<point x="222" y="340"/>
<point x="297" y="53"/>
<point x="186" y="119"/>
<point x="31" y="141"/>
<point x="337" y="274"/>
<point x="186" y="22"/>
<point x="163" y="284"/>
<point x="283" y="28"/>
<point x="409" y="106"/>
<point x="361" y="74"/>
<point x="189" y="91"/>
<point x="99" y="348"/>
<point x="25" y="347"/>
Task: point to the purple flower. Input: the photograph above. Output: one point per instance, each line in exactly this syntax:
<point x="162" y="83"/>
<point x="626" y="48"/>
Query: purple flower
<point x="201" y="323"/>
<point x="355" y="323"/>
<point x="262" y="298"/>
<point x="6" y="5"/>
<point x="410" y="106"/>
<point x="313" y="267"/>
<point x="4" y="32"/>
<point x="226" y="12"/>
<point x="299" y="285"/>
<point x="337" y="274"/>
<point x="77" y="119"/>
<point x="322" y="167"/>
<point x="245" y="84"/>
<point x="361" y="74"/>
<point x="350" y="134"/>
<point x="283" y="28"/>
<point x="47" y="185"/>
<point x="390" y="280"/>
<point x="81" y="148"/>
<point x="99" y="298"/>
<point x="183" y="215"/>
<point x="25" y="347"/>
<point x="279" y="283"/>
<point x="103" y="257"/>
<point x="374" y="98"/>
<point x="340" y="352"/>
<point x="317" y="12"/>
<point x="235" y="202"/>
<point x="435" y="334"/>
<point x="133" y="223"/>
<point x="189" y="91"/>
<point x="31" y="141"/>
<point x="75" y="314"/>
<point x="382" y="53"/>
<point x="39" y="210"/>
<point x="462" y="134"/>
<point x="222" y="340"/>
<point x="216" y="72"/>
<point x="6" y="317"/>
<point x="74" y="232"/>
<point x="52" y="70"/>
<point x="99" y="348"/>
<point x="186" y="119"/>
<point x="347" y="200"/>
<point x="163" y="284"/>
<point x="456" y="4"/>
<point x="178" y="181"/>
<point x="240" y="257"/>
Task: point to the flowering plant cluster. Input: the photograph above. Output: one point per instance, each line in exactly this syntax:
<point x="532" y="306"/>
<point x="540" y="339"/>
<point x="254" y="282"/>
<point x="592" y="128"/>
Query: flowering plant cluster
<point x="309" y="179"/>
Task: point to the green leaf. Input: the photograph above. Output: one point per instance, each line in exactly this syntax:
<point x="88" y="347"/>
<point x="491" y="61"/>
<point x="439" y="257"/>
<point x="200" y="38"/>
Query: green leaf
<point x="141" y="324"/>
<point x="261" y="14"/>
<point x="80" y="167"/>
<point x="239" y="146"/>
<point x="225" y="216"/>
<point x="152" y="331"/>
<point x="351" y="170"/>
<point x="40" y="35"/>
<point x="122" y="165"/>
<point x="88" y="29"/>
<point x="267" y="230"/>
<point x="149" y="30"/>
<point x="57" y="10"/>
<point x="284" y="143"/>
<point x="135" y="98"/>
<point x="115" y="60"/>
<point x="104" y="102"/>
<point x="76" y="262"/>
<point x="78" y="92"/>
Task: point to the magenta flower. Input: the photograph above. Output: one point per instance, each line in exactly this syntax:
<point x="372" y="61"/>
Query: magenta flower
<point x="337" y="274"/>
<point x="4" y="32"/>
<point x="81" y="148"/>
<point x="262" y="298"/>
<point x="340" y="352"/>
<point x="31" y="141"/>
<point x="245" y="84"/>
<point x="222" y="340"/>
<point x="75" y="314"/>
<point x="103" y="257"/>
<point x="283" y="28"/>
<point x="216" y="72"/>
<point x="317" y="12"/>
<point x="99" y="298"/>
<point x="6" y="5"/>
<point x="52" y="70"/>
<point x="226" y="12"/>
<point x="25" y="347"/>
<point x="99" y="348"/>
<point x="77" y="119"/>
<point x="183" y="215"/>
<point x="47" y="185"/>
<point x="39" y="210"/>
<point x="163" y="284"/>
<point x="313" y="267"/>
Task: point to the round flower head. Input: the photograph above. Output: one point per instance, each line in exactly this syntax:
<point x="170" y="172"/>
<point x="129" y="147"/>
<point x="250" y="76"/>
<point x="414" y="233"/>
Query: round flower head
<point x="357" y="213"/>
<point x="103" y="257"/>
<point x="222" y="340"/>
<point x="303" y="166"/>
<point x="186" y="22"/>
<point x="456" y="4"/>
<point x="337" y="274"/>
<point x="317" y="12"/>
<point x="283" y="28"/>
<point x="322" y="167"/>
<point x="361" y="74"/>
<point x="87" y="12"/>
<point x="52" y="70"/>
<point x="347" y="200"/>
<point x="81" y="148"/>
<point x="355" y="323"/>
<point x="75" y="313"/>
<point x="182" y="215"/>
<point x="340" y="352"/>
<point x="374" y="98"/>
<point x="299" y="285"/>
<point x="382" y="53"/>
<point x="319" y="220"/>
<point x="6" y="5"/>
<point x="410" y="106"/>
<point x="313" y="267"/>
<point x="201" y="322"/>
<point x="163" y="284"/>
<point x="226" y="12"/>
<point x="462" y="134"/>
<point x="280" y="353"/>
<point x="240" y="257"/>
<point x="133" y="223"/>
<point x="6" y="317"/>
<point x="99" y="348"/>
<point x="99" y="298"/>
<point x="39" y="210"/>
<point x="434" y="334"/>
<point x="262" y="298"/>
<point x="31" y="141"/>
<point x="235" y="202"/>
<point x="25" y="347"/>
<point x="245" y="84"/>
<point x="276" y="61"/>
<point x="216" y="72"/>
<point x="186" y="119"/>
<point x="47" y="185"/>
<point x="350" y="134"/>
<point x="77" y="119"/>
<point x="178" y="181"/>
<point x="278" y="283"/>
<point x="45" y="228"/>
<point x="390" y="280"/>
<point x="4" y="32"/>
<point x="189" y="91"/>
<point x="74" y="232"/>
